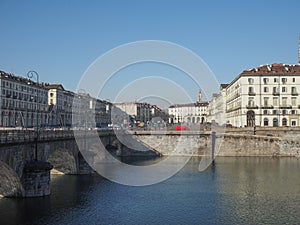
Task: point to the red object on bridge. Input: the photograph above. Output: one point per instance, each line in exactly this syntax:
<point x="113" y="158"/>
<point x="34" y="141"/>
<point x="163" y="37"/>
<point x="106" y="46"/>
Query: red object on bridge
<point x="182" y="128"/>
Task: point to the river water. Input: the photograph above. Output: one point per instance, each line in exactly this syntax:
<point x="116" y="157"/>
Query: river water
<point x="242" y="190"/>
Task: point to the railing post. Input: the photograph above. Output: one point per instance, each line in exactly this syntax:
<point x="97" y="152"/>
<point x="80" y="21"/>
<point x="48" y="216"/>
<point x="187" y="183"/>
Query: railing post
<point x="213" y="146"/>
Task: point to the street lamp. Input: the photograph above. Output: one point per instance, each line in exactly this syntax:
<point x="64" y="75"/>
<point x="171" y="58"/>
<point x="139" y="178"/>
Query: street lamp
<point x="30" y="75"/>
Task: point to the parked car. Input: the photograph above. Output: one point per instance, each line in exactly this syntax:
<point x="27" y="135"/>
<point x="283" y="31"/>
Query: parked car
<point x="182" y="128"/>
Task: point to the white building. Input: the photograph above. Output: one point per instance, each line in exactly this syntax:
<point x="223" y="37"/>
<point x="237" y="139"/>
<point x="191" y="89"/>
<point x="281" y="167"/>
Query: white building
<point x="264" y="96"/>
<point x="217" y="106"/>
<point x="189" y="113"/>
<point x="22" y="102"/>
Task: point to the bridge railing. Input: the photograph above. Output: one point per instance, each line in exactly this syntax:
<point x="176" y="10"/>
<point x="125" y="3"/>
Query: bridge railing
<point x="19" y="136"/>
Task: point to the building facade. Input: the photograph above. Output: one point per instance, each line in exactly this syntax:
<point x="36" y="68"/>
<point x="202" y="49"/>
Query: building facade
<point x="60" y="106"/>
<point x="188" y="113"/>
<point x="26" y="104"/>
<point x="217" y="106"/>
<point x="264" y="96"/>
<point x="23" y="102"/>
<point x="138" y="111"/>
<point x="195" y="113"/>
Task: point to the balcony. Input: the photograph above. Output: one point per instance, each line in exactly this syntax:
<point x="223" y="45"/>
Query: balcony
<point x="251" y="106"/>
<point x="285" y="106"/>
<point x="251" y="93"/>
<point x="233" y="108"/>
<point x="294" y="93"/>
<point x="267" y="107"/>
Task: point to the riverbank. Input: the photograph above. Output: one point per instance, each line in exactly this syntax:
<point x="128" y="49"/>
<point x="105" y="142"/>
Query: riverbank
<point x="232" y="143"/>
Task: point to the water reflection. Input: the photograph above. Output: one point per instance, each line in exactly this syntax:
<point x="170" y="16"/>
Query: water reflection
<point x="249" y="190"/>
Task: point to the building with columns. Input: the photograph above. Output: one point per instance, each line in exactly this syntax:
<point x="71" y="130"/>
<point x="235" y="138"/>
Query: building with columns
<point x="189" y="113"/>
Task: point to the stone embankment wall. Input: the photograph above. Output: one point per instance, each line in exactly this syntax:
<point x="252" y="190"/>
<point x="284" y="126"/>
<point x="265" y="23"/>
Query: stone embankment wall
<point x="226" y="144"/>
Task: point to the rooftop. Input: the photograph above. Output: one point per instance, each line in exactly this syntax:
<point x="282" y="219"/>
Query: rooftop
<point x="274" y="69"/>
<point x="196" y="104"/>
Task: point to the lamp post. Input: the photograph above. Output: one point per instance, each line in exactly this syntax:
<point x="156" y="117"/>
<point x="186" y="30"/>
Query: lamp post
<point x="30" y="75"/>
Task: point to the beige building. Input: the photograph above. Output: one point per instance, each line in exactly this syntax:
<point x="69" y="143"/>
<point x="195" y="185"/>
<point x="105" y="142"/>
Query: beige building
<point x="265" y="96"/>
<point x="139" y="111"/>
<point x="60" y="106"/>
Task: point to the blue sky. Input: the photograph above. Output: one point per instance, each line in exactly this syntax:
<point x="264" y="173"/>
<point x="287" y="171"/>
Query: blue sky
<point x="60" y="39"/>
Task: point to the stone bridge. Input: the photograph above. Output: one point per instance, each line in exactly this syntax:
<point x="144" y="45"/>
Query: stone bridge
<point x="25" y="172"/>
<point x="25" y="163"/>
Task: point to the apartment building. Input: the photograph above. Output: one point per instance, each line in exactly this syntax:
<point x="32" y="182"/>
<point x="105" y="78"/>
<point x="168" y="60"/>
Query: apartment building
<point x="23" y="102"/>
<point x="138" y="111"/>
<point x="264" y="96"/>
<point x="217" y="106"/>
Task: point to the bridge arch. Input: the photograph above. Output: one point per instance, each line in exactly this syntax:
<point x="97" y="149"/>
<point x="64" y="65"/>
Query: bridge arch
<point x="63" y="161"/>
<point x="11" y="185"/>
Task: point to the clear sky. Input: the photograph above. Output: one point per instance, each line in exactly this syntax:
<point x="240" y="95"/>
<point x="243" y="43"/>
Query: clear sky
<point x="60" y="39"/>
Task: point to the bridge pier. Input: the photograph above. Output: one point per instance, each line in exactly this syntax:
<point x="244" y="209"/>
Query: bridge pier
<point x="83" y="165"/>
<point x="36" y="178"/>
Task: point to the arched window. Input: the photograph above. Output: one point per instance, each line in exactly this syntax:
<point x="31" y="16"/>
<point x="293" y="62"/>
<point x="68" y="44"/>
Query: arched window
<point x="266" y="122"/>
<point x="275" y="122"/>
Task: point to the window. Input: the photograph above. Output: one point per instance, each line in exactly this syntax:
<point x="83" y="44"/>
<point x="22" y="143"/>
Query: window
<point x="266" y="80"/>
<point x="266" y="100"/>
<point x="274" y="112"/>
<point x="283" y="80"/>
<point x="293" y="112"/>
<point x="275" y="101"/>
<point x="294" y="80"/>
<point x="250" y="90"/>
<point x="251" y="101"/>
<point x="266" y="122"/>
<point x="265" y="112"/>
<point x="284" y="112"/>
<point x="266" y="89"/>
<point x="275" y="90"/>
<point x="284" y="101"/>
<point x="294" y="123"/>
<point x="294" y="90"/>
<point x="284" y="89"/>
<point x="275" y="80"/>
<point x="294" y="101"/>
<point x="250" y="80"/>
<point x="284" y="122"/>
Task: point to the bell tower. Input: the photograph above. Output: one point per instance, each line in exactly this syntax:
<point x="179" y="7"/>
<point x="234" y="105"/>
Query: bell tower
<point x="199" y="96"/>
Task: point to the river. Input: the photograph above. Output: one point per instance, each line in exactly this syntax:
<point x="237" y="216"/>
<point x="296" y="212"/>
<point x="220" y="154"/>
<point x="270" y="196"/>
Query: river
<point x="237" y="190"/>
